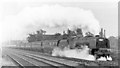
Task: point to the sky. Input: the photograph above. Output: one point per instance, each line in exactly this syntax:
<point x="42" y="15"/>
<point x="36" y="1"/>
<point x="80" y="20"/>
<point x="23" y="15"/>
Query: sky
<point x="18" y="17"/>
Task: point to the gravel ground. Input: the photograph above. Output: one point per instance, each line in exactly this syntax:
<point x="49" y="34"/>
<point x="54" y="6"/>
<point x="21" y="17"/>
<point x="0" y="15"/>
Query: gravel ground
<point x="5" y="61"/>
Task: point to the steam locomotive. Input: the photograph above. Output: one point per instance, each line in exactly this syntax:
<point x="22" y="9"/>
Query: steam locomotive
<point x="99" y="45"/>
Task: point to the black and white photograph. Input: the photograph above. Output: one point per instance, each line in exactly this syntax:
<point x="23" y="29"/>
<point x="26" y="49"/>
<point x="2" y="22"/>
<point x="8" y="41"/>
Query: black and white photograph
<point x="59" y="34"/>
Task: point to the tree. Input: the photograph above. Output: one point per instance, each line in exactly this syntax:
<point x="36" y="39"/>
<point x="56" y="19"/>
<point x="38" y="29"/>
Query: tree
<point x="89" y="34"/>
<point x="64" y="32"/>
<point x="79" y="32"/>
<point x="57" y="34"/>
<point x="31" y="38"/>
<point x="68" y="31"/>
<point x="38" y="32"/>
<point x="42" y="31"/>
<point x="71" y="33"/>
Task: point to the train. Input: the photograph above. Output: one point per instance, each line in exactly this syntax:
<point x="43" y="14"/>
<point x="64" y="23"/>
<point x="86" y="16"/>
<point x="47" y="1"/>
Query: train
<point x="99" y="45"/>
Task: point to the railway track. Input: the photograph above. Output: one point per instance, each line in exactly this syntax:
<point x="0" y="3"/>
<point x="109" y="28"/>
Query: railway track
<point x="24" y="60"/>
<point x="81" y="61"/>
<point x="20" y="62"/>
<point x="33" y="59"/>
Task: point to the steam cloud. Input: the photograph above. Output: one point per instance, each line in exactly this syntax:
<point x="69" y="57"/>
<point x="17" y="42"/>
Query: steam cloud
<point x="73" y="53"/>
<point x="52" y="18"/>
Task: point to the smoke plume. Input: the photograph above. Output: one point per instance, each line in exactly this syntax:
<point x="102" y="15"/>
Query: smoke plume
<point x="52" y="18"/>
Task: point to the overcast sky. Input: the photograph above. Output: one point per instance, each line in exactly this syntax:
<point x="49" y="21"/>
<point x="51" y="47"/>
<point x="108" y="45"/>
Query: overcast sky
<point x="104" y="11"/>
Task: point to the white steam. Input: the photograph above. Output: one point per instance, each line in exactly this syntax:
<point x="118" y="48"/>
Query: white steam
<point x="52" y="18"/>
<point x="73" y="53"/>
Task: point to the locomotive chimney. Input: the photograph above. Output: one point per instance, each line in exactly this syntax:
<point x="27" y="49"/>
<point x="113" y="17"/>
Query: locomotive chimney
<point x="101" y="33"/>
<point x="104" y="34"/>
